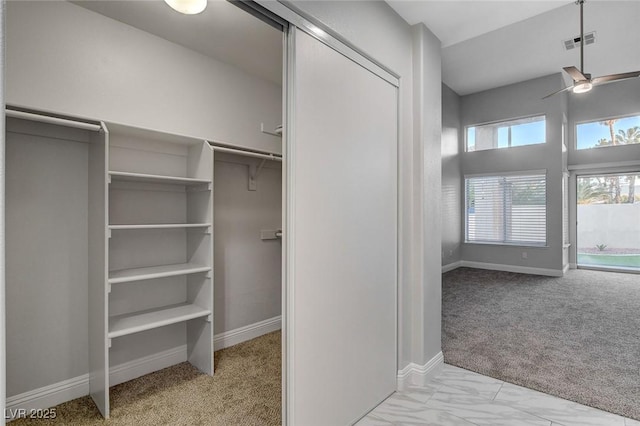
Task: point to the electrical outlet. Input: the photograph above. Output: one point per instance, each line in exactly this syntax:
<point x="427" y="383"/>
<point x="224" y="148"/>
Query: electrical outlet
<point x="524" y="255"/>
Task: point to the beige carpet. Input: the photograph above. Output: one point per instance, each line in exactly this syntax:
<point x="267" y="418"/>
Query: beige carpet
<point x="245" y="390"/>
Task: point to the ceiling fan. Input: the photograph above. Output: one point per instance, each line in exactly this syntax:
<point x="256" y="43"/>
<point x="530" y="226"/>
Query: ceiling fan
<point x="582" y="82"/>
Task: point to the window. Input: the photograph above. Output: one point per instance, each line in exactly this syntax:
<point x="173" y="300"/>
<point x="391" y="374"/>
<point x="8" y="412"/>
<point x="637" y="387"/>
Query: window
<point x="507" y="134"/>
<point x="508" y="209"/>
<point x="614" y="131"/>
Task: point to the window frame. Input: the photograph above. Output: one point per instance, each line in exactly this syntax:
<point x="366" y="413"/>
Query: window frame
<point x="507" y="174"/>
<point x="487" y="123"/>
<point x="613" y="117"/>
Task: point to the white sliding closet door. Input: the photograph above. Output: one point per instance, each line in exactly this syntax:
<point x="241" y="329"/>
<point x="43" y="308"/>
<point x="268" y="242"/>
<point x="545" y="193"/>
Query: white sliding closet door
<point x="342" y="217"/>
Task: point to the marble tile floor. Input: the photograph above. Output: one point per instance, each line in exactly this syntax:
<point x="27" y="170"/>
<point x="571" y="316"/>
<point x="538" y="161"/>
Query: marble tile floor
<point x="458" y="397"/>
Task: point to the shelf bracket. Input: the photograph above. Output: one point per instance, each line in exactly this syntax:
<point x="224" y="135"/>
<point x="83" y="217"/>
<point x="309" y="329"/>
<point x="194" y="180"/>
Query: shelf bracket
<point x="108" y="233"/>
<point x="209" y="275"/>
<point x="209" y="318"/>
<point x="254" y="172"/>
<point x="278" y="135"/>
<point x="109" y="343"/>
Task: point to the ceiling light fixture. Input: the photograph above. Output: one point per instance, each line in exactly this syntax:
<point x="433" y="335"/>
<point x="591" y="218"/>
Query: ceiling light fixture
<point x="582" y="86"/>
<point x="188" y="7"/>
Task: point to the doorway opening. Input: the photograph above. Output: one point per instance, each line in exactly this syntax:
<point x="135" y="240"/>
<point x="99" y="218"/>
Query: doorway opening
<point x="608" y="221"/>
<point x="183" y="256"/>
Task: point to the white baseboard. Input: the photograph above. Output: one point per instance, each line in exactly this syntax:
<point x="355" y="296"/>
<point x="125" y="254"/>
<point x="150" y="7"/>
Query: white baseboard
<point x="513" y="268"/>
<point x="451" y="266"/>
<point x="77" y="387"/>
<point x="420" y="375"/>
<point x="139" y="367"/>
<point x="566" y="268"/>
<point x="47" y="396"/>
<point x="506" y="268"/>
<point x="242" y="334"/>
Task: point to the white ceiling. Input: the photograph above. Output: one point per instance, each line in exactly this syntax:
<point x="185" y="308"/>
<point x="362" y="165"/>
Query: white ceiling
<point x="487" y="44"/>
<point x="222" y="31"/>
<point x="456" y="21"/>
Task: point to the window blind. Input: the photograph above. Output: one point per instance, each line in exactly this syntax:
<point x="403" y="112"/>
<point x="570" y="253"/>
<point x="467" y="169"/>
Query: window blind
<point x="509" y="209"/>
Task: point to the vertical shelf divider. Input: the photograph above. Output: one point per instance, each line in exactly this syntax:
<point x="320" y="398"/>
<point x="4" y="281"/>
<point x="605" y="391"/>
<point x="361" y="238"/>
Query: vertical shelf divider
<point x="98" y="270"/>
<point x="200" y="247"/>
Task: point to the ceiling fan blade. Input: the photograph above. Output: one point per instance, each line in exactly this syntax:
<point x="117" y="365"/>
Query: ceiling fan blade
<point x="575" y="73"/>
<point x="615" y="77"/>
<point x="559" y="91"/>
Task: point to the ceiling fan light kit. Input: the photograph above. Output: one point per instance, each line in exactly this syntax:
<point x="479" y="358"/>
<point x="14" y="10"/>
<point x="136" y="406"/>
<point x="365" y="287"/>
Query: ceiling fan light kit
<point x="582" y="82"/>
<point x="582" y="87"/>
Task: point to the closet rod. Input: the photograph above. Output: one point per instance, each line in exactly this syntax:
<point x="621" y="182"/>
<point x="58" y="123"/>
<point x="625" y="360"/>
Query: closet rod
<point x="247" y="153"/>
<point x="52" y="120"/>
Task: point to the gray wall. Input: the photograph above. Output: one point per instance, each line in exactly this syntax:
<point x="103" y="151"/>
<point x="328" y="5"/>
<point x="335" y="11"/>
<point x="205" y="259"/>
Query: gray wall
<point x="521" y="99"/>
<point x="377" y="30"/>
<point x="46" y="239"/>
<point x="513" y="101"/>
<point x="427" y="112"/>
<point x="66" y="59"/>
<point x="247" y="269"/>
<point x="452" y="182"/>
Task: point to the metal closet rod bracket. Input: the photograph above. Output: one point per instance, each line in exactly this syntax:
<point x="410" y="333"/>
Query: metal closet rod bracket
<point x="262" y="129"/>
<point x="254" y="172"/>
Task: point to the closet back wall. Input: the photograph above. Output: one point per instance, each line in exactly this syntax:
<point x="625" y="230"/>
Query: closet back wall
<point x="46" y="236"/>
<point x="66" y="59"/>
<point x="247" y="270"/>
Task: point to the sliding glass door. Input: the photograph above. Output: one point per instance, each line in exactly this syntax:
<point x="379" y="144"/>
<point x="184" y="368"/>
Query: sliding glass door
<point x="608" y="213"/>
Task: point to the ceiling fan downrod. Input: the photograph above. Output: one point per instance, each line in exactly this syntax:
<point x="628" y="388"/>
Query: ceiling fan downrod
<point x="581" y="3"/>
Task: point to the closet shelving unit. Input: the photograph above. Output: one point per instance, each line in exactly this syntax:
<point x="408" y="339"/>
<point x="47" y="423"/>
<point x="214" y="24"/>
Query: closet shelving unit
<point x="157" y="292"/>
<point x="149" y="245"/>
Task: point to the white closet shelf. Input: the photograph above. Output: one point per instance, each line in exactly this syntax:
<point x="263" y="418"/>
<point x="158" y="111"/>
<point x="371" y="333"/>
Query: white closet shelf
<point x="139" y="274"/>
<point x="122" y="325"/>
<point x="141" y="177"/>
<point x="161" y="226"/>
